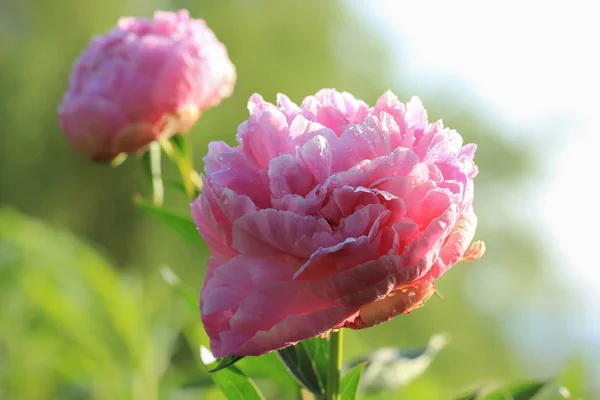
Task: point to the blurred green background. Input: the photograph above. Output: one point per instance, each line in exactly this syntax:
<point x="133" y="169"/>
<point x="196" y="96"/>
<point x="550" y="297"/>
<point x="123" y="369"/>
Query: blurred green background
<point x="84" y="311"/>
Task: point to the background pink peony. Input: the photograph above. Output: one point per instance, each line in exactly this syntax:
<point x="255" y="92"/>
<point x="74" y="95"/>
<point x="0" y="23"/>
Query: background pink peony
<point x="142" y="80"/>
<point x="329" y="215"/>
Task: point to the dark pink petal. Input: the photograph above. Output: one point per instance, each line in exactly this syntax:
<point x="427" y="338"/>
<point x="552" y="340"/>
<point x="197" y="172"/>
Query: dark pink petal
<point x="251" y="305"/>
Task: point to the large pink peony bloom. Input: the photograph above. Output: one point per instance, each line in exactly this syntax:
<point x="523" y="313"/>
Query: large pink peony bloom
<point x="329" y="215"/>
<point x="143" y="80"/>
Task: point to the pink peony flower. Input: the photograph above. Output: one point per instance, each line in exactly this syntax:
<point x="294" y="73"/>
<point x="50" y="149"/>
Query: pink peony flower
<point x="329" y="215"/>
<point x="143" y="80"/>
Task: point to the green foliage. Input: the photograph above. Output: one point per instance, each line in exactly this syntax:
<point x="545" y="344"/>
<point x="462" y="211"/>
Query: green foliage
<point x="183" y="225"/>
<point x="546" y="390"/>
<point x="350" y="382"/>
<point x="226" y="362"/>
<point x="236" y="385"/>
<point x="269" y="366"/>
<point x="390" y="368"/>
<point x="308" y="361"/>
<point x="184" y="292"/>
<point x="87" y="329"/>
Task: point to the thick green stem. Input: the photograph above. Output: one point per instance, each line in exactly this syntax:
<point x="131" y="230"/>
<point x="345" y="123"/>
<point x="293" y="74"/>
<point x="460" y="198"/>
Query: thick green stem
<point x="158" y="191"/>
<point x="335" y="366"/>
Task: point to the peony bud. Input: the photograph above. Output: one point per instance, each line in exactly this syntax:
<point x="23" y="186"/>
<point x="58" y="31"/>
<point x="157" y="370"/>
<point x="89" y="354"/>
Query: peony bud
<point x="142" y="81"/>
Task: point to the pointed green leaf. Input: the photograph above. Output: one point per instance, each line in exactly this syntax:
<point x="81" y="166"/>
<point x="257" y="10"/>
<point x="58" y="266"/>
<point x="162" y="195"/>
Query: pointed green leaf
<point x="184" y="226"/>
<point x="308" y="361"/>
<point x="350" y="382"/>
<point x="226" y="362"/>
<point x="270" y="366"/>
<point x="236" y="385"/>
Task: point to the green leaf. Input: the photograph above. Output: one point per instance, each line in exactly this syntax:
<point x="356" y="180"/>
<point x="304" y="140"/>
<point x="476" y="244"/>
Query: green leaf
<point x="175" y="185"/>
<point x="236" y="385"/>
<point x="118" y="160"/>
<point x="520" y="391"/>
<point x="184" y="226"/>
<point x="182" y="290"/>
<point x="470" y="396"/>
<point x="226" y="362"/>
<point x="546" y="390"/>
<point x="350" y="381"/>
<point x="389" y="368"/>
<point x="307" y="361"/>
<point x="270" y="366"/>
<point x="181" y="154"/>
<point x="180" y="143"/>
<point x="146" y="165"/>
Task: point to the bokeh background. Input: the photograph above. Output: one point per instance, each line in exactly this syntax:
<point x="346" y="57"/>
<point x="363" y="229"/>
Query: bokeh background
<point x="84" y="311"/>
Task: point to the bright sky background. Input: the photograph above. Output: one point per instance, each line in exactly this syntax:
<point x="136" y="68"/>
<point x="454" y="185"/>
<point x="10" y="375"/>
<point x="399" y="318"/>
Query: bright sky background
<point x="537" y="65"/>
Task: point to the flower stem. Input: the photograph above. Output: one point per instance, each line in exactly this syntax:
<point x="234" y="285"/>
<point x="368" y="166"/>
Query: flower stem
<point x="335" y="366"/>
<point x="158" y="191"/>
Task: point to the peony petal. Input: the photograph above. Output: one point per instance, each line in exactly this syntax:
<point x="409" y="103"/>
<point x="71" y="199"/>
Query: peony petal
<point x="400" y="301"/>
<point x="289" y="175"/>
<point x="251" y="305"/>
<point x="287" y="107"/>
<point x="264" y="137"/>
<point x="316" y="153"/>
<point x="334" y="110"/>
<point x="398" y="163"/>
<point x="456" y="244"/>
<point x="263" y="232"/>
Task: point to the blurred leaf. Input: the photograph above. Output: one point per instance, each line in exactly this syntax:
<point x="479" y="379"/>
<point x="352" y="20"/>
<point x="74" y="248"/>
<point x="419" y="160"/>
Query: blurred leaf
<point x="390" y="368"/>
<point x="307" y="361"/>
<point x="147" y="164"/>
<point x="182" y="290"/>
<point x="270" y="366"/>
<point x="181" y="145"/>
<point x="236" y="385"/>
<point x="226" y="362"/>
<point x="184" y="226"/>
<point x="350" y="382"/>
<point x="520" y="391"/>
<point x="472" y="396"/>
<point x="179" y="151"/>
<point x="546" y="390"/>
<point x="118" y="160"/>
<point x="76" y="325"/>
<point x="175" y="184"/>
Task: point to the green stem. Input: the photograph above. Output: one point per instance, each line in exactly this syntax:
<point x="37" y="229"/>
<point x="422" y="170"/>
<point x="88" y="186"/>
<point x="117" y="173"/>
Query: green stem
<point x="158" y="191"/>
<point x="335" y="366"/>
